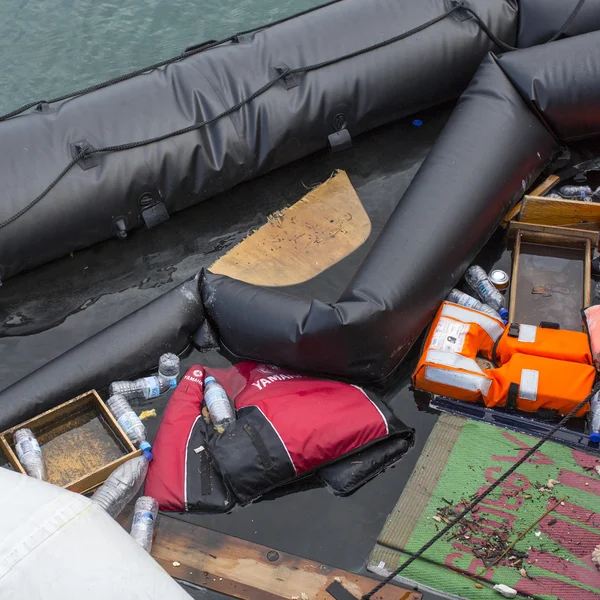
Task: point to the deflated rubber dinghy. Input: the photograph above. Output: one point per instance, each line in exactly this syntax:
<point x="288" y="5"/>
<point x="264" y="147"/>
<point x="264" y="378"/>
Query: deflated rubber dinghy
<point x="508" y="124"/>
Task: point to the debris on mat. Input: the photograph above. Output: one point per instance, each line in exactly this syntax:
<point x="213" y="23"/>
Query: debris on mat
<point x="532" y="534"/>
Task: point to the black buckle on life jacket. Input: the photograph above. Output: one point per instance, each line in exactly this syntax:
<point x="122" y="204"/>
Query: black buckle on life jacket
<point x="549" y="325"/>
<point x="511" y="398"/>
<point x="513" y="330"/>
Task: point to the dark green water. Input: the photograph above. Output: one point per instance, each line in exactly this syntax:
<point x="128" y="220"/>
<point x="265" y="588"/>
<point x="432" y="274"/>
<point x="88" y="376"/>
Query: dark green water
<point x="50" y="47"/>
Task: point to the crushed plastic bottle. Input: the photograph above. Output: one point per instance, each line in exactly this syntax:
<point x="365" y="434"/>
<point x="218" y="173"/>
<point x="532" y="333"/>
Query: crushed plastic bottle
<point x="29" y="453"/>
<point x="575" y="192"/>
<point x="595" y="418"/>
<point x="129" y="421"/>
<point x="218" y="404"/>
<point x="144" y="518"/>
<point x="463" y="299"/>
<point x="122" y="485"/>
<point x="483" y="286"/>
<point x="150" y="387"/>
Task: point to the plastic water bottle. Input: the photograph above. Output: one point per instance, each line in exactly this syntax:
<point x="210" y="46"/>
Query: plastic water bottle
<point x="29" y="453"/>
<point x="150" y="387"/>
<point x="576" y="192"/>
<point x="463" y="299"/>
<point x="122" y="485"/>
<point x="144" y="517"/>
<point x="217" y="402"/>
<point x="129" y="421"/>
<point x="482" y="285"/>
<point x="595" y="418"/>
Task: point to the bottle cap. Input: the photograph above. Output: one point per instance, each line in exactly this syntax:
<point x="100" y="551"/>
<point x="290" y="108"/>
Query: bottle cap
<point x="209" y="379"/>
<point x="503" y="313"/>
<point x="145" y="448"/>
<point x="595" y="436"/>
<point x="168" y="365"/>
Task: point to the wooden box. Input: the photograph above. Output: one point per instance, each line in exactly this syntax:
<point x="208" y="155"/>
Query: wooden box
<point x="81" y="441"/>
<point x="551" y="274"/>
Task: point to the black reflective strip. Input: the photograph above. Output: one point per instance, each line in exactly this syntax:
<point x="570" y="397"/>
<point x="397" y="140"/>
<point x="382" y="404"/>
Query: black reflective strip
<point x="205" y="477"/>
<point x="511" y="398"/>
<point x="260" y="446"/>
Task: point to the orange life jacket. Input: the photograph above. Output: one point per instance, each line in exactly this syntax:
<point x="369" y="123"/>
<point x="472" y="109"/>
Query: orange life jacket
<point x="447" y="365"/>
<point x="560" y="344"/>
<point x="527" y="380"/>
<point x="529" y="383"/>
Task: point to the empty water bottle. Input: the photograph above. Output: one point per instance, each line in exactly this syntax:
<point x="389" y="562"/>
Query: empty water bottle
<point x="129" y="421"/>
<point x="594" y="418"/>
<point x="144" y="517"/>
<point x="29" y="453"/>
<point x="218" y="404"/>
<point x="576" y="192"/>
<point x="463" y="299"/>
<point x="150" y="387"/>
<point x="483" y="286"/>
<point x="122" y="485"/>
<point x="168" y="368"/>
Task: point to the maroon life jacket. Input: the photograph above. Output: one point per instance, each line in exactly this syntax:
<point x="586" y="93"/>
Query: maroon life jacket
<point x="288" y="426"/>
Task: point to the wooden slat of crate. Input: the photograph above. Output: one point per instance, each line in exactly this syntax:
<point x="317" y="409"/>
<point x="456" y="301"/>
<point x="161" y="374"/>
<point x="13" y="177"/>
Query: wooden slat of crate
<point x="243" y="570"/>
<point x="561" y="213"/>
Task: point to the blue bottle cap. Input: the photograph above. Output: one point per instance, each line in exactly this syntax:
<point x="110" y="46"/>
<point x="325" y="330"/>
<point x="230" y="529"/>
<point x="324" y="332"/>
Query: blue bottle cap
<point x="145" y="448"/>
<point x="503" y="313"/>
<point x="417" y="122"/>
<point x="595" y="436"/>
<point x="209" y="379"/>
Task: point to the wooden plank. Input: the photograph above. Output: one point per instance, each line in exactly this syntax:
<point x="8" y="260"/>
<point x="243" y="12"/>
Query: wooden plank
<point x="549" y="231"/>
<point x="545" y="186"/>
<point x="540" y="190"/>
<point x="552" y="211"/>
<point x="299" y="243"/>
<point x="587" y="275"/>
<point x="515" y="278"/>
<point x="250" y="571"/>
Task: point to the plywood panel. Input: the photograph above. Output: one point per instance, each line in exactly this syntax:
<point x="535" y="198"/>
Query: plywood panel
<point x="302" y="241"/>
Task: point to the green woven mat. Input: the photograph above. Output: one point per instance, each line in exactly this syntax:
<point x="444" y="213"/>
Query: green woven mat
<point x="461" y="458"/>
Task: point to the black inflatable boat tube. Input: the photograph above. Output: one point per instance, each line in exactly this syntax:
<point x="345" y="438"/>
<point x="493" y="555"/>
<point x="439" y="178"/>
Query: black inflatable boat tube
<point x="132" y="345"/>
<point x="290" y="120"/>
<point x="490" y="151"/>
<point x="540" y="20"/>
<point x="563" y="91"/>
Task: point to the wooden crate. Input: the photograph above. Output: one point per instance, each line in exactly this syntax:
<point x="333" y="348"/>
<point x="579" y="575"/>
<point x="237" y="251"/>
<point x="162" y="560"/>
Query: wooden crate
<point x="547" y="237"/>
<point x="81" y="441"/>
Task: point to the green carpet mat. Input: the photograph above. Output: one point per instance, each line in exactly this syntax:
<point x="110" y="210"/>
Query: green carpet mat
<point x="461" y="458"/>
